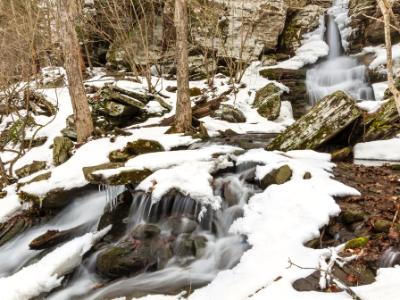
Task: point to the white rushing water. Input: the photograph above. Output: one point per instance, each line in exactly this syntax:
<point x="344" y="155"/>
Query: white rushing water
<point x="338" y="71"/>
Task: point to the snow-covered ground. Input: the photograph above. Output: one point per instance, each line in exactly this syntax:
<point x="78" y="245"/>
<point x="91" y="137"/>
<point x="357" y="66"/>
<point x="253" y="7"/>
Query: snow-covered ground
<point x="379" y="150"/>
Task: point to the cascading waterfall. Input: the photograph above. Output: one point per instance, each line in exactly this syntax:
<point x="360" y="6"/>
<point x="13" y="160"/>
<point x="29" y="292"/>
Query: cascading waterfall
<point x="337" y="72"/>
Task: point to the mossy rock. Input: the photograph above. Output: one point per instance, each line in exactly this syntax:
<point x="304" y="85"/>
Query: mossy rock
<point x="195" y="91"/>
<point x="142" y="147"/>
<point x="3" y="194"/>
<point x="35" y="142"/>
<point x="351" y="216"/>
<point x="344" y="154"/>
<point x="268" y="101"/>
<point x="62" y="150"/>
<point x="145" y="231"/>
<point x="280" y="74"/>
<point x="359" y="242"/>
<point x="229" y="113"/>
<point x="277" y="176"/>
<point x="119" y="156"/>
<point x="328" y="118"/>
<point x="40" y="177"/>
<point x="27" y="170"/>
<point x="383" y="124"/>
<point x="382" y="226"/>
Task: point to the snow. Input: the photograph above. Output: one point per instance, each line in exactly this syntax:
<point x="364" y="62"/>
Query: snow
<point x="69" y="175"/>
<point x="371" y="106"/>
<point x="48" y="273"/>
<point x="378" y="150"/>
<point x="379" y="89"/>
<point x="313" y="47"/>
<point x="379" y="63"/>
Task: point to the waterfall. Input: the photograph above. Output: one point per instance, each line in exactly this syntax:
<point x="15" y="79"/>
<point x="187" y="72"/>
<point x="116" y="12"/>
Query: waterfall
<point x="338" y="71"/>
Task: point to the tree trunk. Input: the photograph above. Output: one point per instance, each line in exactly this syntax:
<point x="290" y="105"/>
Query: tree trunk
<point x="67" y="10"/>
<point x="386" y="8"/>
<point x="183" y="117"/>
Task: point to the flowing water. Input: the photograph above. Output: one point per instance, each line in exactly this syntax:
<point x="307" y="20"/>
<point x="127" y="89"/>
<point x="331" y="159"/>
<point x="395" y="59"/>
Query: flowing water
<point x="222" y="249"/>
<point x="338" y="71"/>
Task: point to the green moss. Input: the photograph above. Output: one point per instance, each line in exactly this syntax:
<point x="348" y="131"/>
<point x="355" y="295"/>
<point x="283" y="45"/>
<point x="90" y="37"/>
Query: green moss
<point x="359" y="242"/>
<point x="195" y="91"/>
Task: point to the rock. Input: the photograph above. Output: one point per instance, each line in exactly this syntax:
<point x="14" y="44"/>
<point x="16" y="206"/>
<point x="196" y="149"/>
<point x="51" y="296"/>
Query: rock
<point x="229" y="113"/>
<point x="132" y="177"/>
<point x="384" y="124"/>
<point x="55" y="237"/>
<point x="199" y="243"/>
<point x="171" y="89"/>
<point x="328" y="118"/>
<point x="344" y="154"/>
<point x="40" y="177"/>
<point x="18" y="224"/>
<point x="34" y="143"/>
<point x="62" y="148"/>
<point x="301" y="22"/>
<point x="88" y="171"/>
<point x="145" y="231"/>
<point x="38" y="103"/>
<point x="307" y="175"/>
<point x="27" y="170"/>
<point x="184" y="246"/>
<point x="3" y="194"/>
<point x="180" y="225"/>
<point x="116" y="215"/>
<point x="382" y="226"/>
<point x="195" y="91"/>
<point x="359" y="242"/>
<point x="295" y="81"/>
<point x="268" y="101"/>
<point x="352" y="215"/>
<point x="135" y="148"/>
<point x="277" y="176"/>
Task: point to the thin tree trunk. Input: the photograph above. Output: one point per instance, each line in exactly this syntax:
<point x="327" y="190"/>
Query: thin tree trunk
<point x="84" y="126"/>
<point x="183" y="117"/>
<point x="386" y="9"/>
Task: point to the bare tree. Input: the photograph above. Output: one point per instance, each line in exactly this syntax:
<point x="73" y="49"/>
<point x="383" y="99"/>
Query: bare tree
<point x="183" y="117"/>
<point x="387" y="12"/>
<point x="67" y="11"/>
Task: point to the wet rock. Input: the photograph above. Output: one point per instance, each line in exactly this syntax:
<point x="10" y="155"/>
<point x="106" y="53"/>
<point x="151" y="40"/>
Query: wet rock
<point x="27" y="170"/>
<point x="62" y="148"/>
<point x="352" y="215"/>
<point x="295" y="81"/>
<point x="278" y="176"/>
<point x="55" y="237"/>
<point x="382" y="225"/>
<point x="301" y="22"/>
<point x="359" y="242"/>
<point x="344" y="154"/>
<point x="17" y="224"/>
<point x="329" y="117"/>
<point x="229" y="113"/>
<point x="200" y="244"/>
<point x="268" y="101"/>
<point x="116" y="216"/>
<point x="180" y="225"/>
<point x="184" y="246"/>
<point x="133" y="257"/>
<point x="145" y="231"/>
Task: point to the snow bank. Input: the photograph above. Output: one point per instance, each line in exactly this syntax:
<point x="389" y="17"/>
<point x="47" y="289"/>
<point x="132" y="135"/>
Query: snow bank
<point x="378" y="150"/>
<point x="370" y="106"/>
<point x="379" y="63"/>
<point x="48" y="273"/>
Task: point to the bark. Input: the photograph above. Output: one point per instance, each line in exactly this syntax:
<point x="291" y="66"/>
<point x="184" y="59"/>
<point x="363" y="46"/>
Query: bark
<point x="386" y="8"/>
<point x="67" y="10"/>
<point x="183" y="117"/>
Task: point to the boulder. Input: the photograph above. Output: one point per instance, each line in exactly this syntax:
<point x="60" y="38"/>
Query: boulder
<point x="295" y="81"/>
<point x="88" y="171"/>
<point x="229" y="113"/>
<point x="123" y="177"/>
<point x="329" y="117"/>
<point x="268" y="101"/>
<point x="301" y="22"/>
<point x="62" y="147"/>
<point x="277" y="176"/>
<point x="135" y="148"/>
<point x="343" y="154"/>
<point x="27" y="170"/>
<point x="145" y="231"/>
